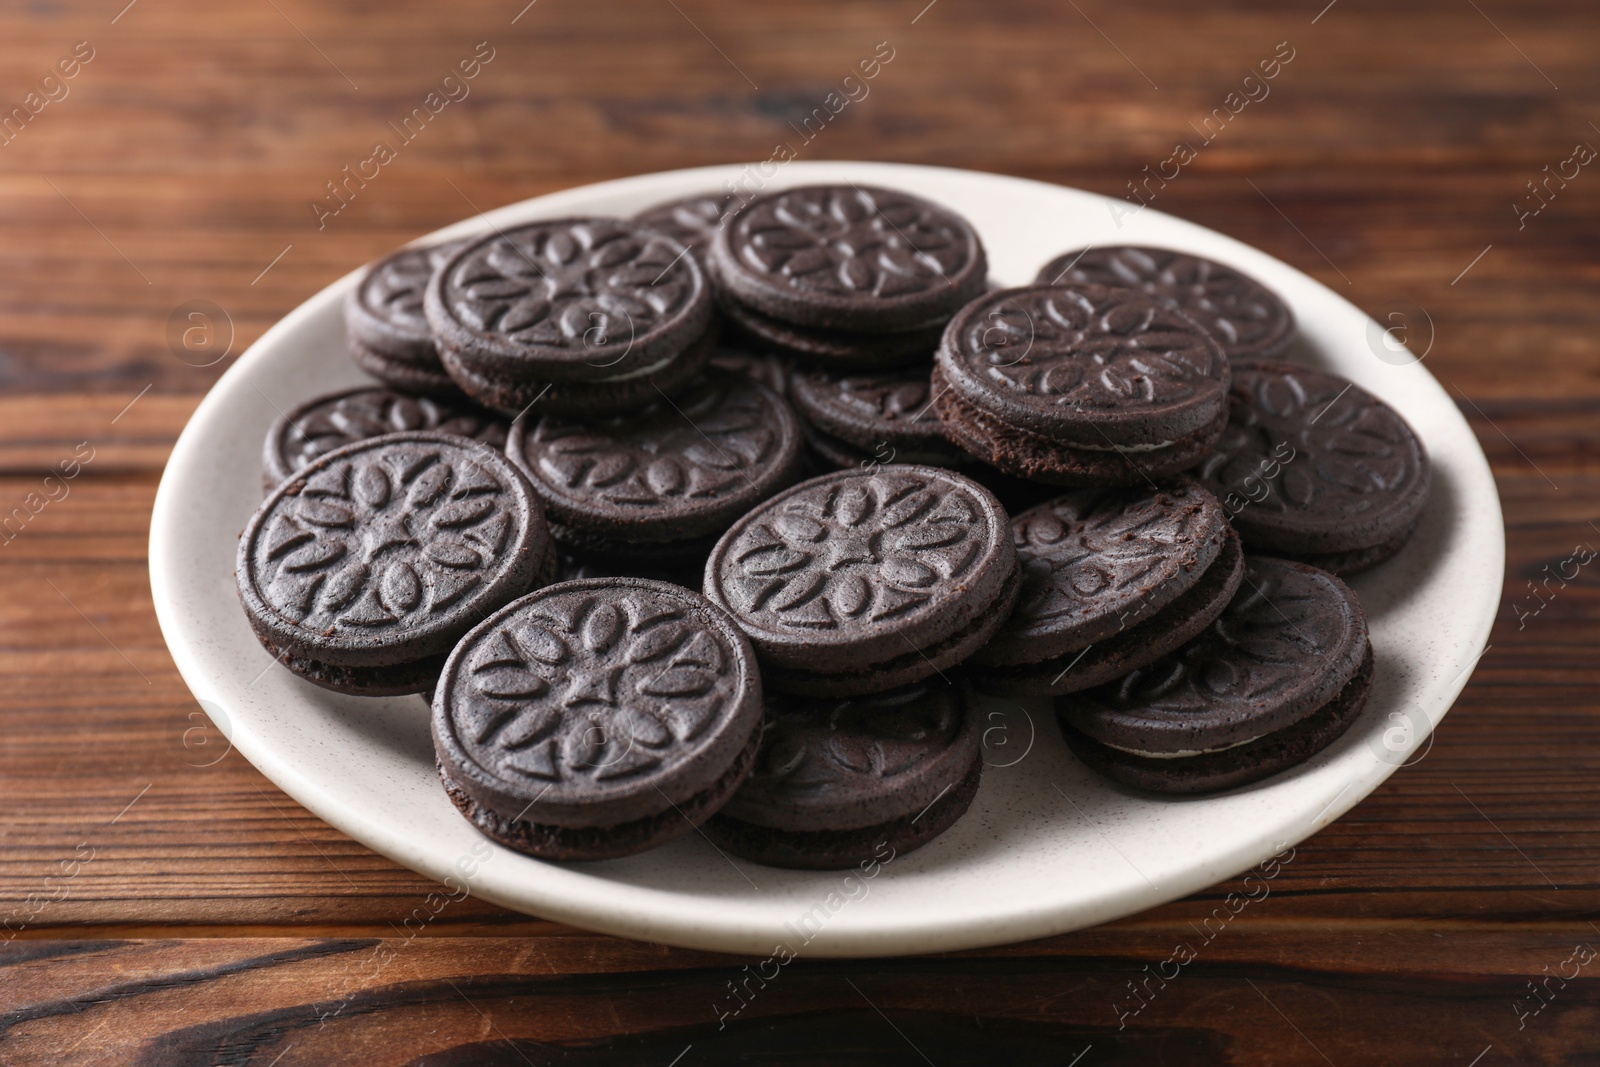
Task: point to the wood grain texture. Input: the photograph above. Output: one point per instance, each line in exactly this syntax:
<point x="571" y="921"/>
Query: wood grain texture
<point x="207" y="919"/>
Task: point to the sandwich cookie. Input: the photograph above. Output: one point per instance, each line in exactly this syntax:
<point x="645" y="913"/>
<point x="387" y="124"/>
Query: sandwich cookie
<point x="663" y="483"/>
<point x="1315" y="468"/>
<point x="850" y="276"/>
<point x="385" y="326"/>
<point x="865" y="420"/>
<point x="576" y="315"/>
<point x="1277" y="678"/>
<point x="842" y="783"/>
<point x="364" y="569"/>
<point x="1082" y="385"/>
<point x="859" y="582"/>
<point x="1112" y="579"/>
<point x="1246" y="318"/>
<point x="334" y="420"/>
<point x="597" y="718"/>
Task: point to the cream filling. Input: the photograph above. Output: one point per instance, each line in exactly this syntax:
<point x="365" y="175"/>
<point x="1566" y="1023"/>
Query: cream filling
<point x="1182" y="753"/>
<point x="640" y="372"/>
<point x="1118" y="448"/>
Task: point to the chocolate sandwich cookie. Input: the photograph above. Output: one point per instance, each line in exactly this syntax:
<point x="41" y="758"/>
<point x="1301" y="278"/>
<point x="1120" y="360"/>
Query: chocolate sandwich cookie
<point x="363" y="570"/>
<point x="1316" y="468"/>
<point x="691" y="221"/>
<point x="597" y="718"/>
<point x="858" y="781"/>
<point x="1112" y="579"/>
<point x="334" y="420"/>
<point x="385" y="326"/>
<point x="1277" y="678"/>
<point x="867" y="420"/>
<point x="1246" y="318"/>
<point x="662" y="483"/>
<point x="840" y="350"/>
<point x="575" y="314"/>
<point x="1141" y="643"/>
<point x="1080" y="385"/>
<point x="859" y="582"/>
<point x="848" y="257"/>
<point x="606" y="397"/>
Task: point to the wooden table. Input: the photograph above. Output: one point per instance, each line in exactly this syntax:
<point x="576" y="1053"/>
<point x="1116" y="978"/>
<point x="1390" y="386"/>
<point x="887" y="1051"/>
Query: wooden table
<point x="166" y="905"/>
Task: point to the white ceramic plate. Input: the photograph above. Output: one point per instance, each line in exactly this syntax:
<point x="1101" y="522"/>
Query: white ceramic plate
<point x="1047" y="846"/>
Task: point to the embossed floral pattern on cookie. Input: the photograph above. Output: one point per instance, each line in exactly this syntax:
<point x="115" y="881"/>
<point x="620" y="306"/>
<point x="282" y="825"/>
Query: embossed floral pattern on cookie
<point x="389" y="538"/>
<point x="594" y="683"/>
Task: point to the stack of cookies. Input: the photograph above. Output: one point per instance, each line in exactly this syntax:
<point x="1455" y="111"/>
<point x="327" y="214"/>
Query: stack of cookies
<point x="576" y="511"/>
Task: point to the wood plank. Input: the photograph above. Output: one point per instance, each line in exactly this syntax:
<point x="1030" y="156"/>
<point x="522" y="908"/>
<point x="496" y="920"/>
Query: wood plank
<point x="586" y="1000"/>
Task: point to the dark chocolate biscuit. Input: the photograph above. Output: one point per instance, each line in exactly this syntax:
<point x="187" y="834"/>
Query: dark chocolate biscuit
<point x="1097" y="561"/>
<point x="387" y="331"/>
<point x="839" y="783"/>
<point x="597" y="718"/>
<point x="1080" y="384"/>
<point x="848" y="257"/>
<point x="678" y="471"/>
<point x="857" y="582"/>
<point x="1316" y="468"/>
<point x="1247" y="319"/>
<point x="691" y="221"/>
<point x="1140" y="644"/>
<point x="513" y="396"/>
<point x="841" y="350"/>
<point x="334" y="420"/>
<point x="1280" y="674"/>
<point x="362" y="571"/>
<point x="565" y="301"/>
<point x="866" y="421"/>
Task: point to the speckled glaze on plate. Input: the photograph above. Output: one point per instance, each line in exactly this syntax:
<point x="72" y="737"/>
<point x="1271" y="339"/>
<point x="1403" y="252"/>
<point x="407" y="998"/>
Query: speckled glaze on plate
<point x="1071" y="849"/>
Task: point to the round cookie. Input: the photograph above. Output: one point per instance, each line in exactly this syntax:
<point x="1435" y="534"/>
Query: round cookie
<point x="362" y="571"/>
<point x="842" y="783"/>
<point x="691" y="221"/>
<point x="1315" y="468"/>
<point x="848" y="257"/>
<point x="866" y="420"/>
<point x="840" y="350"/>
<point x="334" y="420"/>
<point x="658" y="481"/>
<point x="597" y="718"/>
<point x="1282" y="672"/>
<point x="1097" y="561"/>
<point x="386" y="328"/>
<point x="859" y="582"/>
<point x="1081" y="385"/>
<point x="1139" y="645"/>
<point x="568" y="301"/>
<point x="1246" y="318"/>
